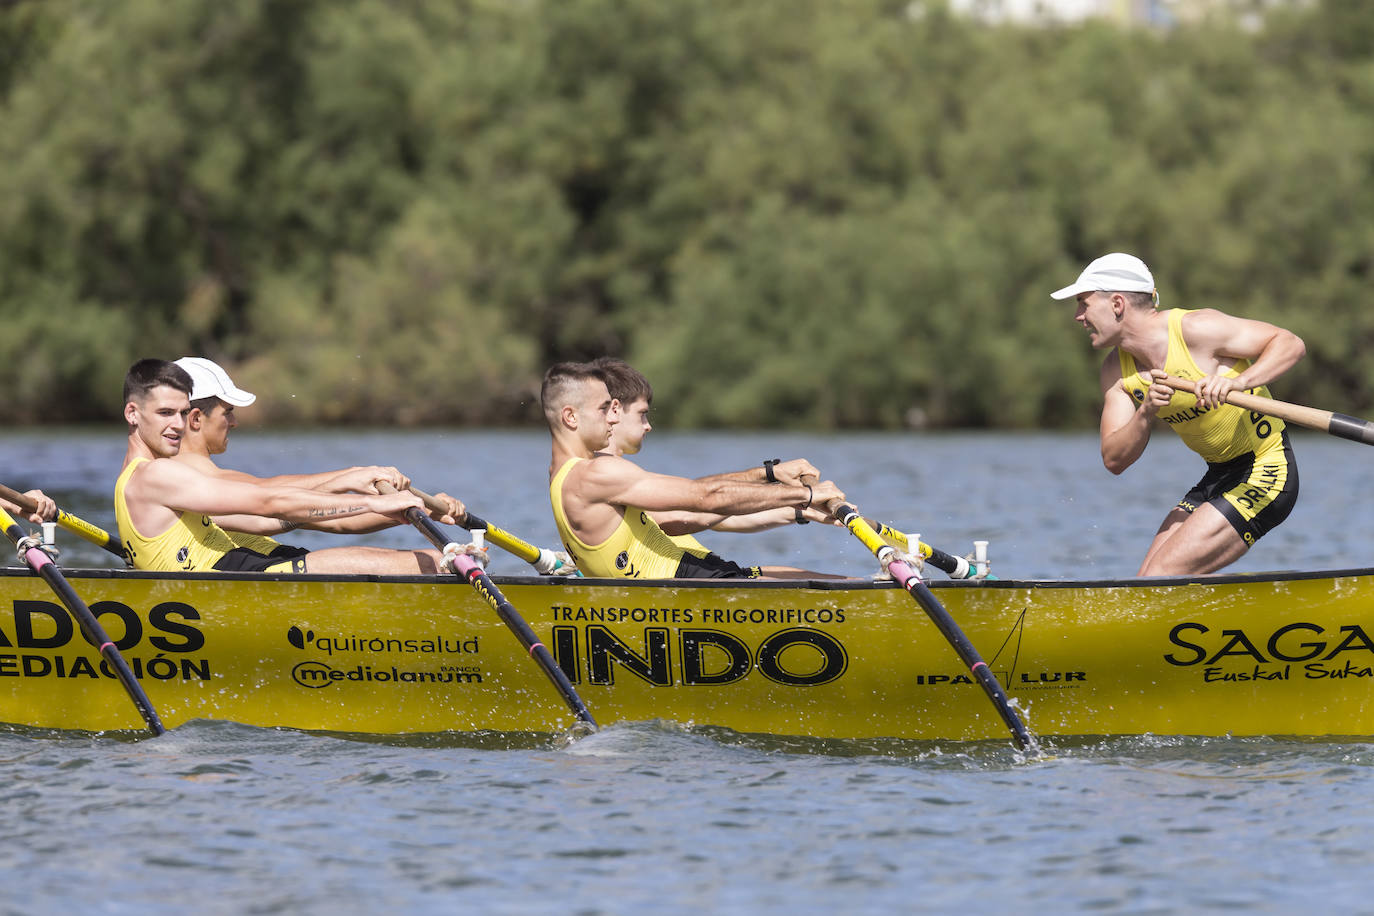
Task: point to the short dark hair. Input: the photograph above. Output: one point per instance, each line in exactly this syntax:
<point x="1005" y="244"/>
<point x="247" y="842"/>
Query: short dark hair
<point x="559" y="381"/>
<point x="147" y="374"/>
<point x="207" y="405"/>
<point x="626" y="383"/>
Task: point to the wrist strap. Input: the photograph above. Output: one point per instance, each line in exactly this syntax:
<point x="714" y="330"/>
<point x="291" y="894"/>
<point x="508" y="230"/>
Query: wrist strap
<point x="768" y="474"/>
<point x="801" y="517"/>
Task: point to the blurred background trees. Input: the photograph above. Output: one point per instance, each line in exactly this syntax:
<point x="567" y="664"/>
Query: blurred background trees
<point x="787" y="212"/>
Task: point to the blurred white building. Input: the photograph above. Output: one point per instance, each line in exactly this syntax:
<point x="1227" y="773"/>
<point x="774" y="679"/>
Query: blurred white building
<point x="1138" y="12"/>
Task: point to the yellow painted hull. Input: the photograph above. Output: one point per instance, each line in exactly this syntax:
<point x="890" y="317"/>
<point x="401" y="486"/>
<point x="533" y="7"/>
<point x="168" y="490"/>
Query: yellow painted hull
<point x="1277" y="654"/>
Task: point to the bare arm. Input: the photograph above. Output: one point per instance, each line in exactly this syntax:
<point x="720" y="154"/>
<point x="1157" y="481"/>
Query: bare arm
<point x="177" y="488"/>
<point x="618" y="482"/>
<point x="1216" y="340"/>
<point x="1125" y="428"/>
<point x="692" y="522"/>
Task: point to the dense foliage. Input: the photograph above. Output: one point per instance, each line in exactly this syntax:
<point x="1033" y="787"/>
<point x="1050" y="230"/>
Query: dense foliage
<point x="787" y="212"/>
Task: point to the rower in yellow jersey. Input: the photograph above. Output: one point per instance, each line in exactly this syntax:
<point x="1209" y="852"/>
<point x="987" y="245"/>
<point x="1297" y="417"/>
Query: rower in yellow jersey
<point x="1251" y="482"/>
<point x="635" y="395"/>
<point x="211" y="419"/>
<point x="602" y="503"/>
<point x="166" y="510"/>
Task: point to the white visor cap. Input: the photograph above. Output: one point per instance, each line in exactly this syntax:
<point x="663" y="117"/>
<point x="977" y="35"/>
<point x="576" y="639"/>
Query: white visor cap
<point x="1115" y="272"/>
<point x="208" y="380"/>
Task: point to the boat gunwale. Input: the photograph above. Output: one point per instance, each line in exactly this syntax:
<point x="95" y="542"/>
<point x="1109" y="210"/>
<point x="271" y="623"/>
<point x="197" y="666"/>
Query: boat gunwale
<point x="855" y="584"/>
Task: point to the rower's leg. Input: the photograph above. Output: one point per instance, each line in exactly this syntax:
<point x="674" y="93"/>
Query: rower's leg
<point x="372" y="560"/>
<point x="1187" y="544"/>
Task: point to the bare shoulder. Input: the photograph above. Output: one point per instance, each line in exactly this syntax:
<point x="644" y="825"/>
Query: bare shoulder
<point x="1209" y="326"/>
<point x="167" y="472"/>
<point x="605" y="467"/>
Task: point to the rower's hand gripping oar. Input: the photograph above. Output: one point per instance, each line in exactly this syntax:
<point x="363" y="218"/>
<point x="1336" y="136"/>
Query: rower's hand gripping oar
<point x="910" y="580"/>
<point x="97" y="536"/>
<point x="1326" y="421"/>
<point x="32" y="553"/>
<point x="544" y="561"/>
<point x="466" y="567"/>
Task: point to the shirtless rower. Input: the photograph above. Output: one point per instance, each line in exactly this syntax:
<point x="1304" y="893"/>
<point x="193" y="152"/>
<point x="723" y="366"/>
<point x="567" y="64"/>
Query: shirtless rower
<point x="165" y="509"/>
<point x="602" y="503"/>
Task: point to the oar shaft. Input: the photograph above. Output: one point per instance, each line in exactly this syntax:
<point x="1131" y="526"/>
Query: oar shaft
<point x="43" y="566"/>
<point x="910" y="580"/>
<point x="1326" y="421"/>
<point x="467" y="568"/>
<point x="78" y="526"/>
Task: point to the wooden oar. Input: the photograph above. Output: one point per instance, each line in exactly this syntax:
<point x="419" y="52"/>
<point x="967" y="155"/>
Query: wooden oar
<point x="1326" y="421"/>
<point x="910" y="580"/>
<point x="466" y="567"/>
<point x="97" y="536"/>
<point x="43" y="566"/>
<point x="541" y="558"/>
<point x="952" y="566"/>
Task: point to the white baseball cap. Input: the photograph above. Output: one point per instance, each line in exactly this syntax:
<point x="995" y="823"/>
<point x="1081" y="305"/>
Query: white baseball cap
<point x="208" y="380"/>
<point x="1115" y="272"/>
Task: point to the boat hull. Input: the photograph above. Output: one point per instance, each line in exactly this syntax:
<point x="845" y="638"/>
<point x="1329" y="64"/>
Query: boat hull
<point x="1280" y="654"/>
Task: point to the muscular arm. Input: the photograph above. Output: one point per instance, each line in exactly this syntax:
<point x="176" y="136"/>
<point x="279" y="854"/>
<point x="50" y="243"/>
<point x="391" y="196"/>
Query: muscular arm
<point x="164" y="487"/>
<point x="1217" y="340"/>
<point x="357" y="479"/>
<point x="1125" y="428"/>
<point x="692" y="522"/>
<point x="621" y="483"/>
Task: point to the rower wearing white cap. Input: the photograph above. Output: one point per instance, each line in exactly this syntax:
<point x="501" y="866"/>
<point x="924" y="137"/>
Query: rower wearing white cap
<point x="201" y="516"/>
<point x="1251" y="482"/>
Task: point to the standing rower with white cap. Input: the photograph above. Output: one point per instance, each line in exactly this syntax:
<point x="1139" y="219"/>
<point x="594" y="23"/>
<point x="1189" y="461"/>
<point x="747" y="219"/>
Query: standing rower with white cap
<point x="1251" y="482"/>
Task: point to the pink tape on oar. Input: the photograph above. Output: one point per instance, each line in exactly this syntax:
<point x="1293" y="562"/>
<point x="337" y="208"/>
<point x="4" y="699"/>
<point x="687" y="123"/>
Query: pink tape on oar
<point x="538" y="645"/>
<point x="104" y="646"/>
<point x="42" y="559"/>
<point x="979" y="664"/>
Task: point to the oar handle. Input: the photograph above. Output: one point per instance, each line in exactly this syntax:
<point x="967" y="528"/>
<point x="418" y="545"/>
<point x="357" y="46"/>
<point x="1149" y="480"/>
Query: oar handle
<point x="78" y="526"/>
<point x="1326" y="421"/>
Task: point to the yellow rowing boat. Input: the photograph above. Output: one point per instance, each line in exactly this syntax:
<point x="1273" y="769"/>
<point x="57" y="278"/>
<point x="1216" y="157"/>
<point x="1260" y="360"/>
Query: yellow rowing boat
<point x="1277" y="654"/>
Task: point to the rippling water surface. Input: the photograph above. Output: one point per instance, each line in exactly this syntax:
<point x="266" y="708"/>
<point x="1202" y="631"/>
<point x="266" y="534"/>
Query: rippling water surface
<point x="217" y="817"/>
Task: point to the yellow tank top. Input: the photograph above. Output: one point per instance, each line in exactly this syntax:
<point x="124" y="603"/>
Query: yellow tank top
<point x="637" y="549"/>
<point x="1217" y="434"/>
<point x="193" y="543"/>
<point x="260" y="543"/>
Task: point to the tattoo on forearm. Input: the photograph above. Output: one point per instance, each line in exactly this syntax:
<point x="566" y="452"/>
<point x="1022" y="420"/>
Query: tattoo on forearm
<point x="330" y="513"/>
<point x="289" y="526"/>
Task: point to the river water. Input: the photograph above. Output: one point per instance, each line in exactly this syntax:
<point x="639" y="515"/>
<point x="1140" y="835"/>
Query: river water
<point x="217" y="817"/>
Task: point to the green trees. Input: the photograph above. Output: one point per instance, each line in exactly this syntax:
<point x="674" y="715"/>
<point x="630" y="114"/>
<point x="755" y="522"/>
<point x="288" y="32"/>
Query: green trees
<point x="786" y="212"/>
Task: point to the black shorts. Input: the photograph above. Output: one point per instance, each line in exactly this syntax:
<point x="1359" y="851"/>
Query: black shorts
<point x="713" y="566"/>
<point x="282" y="559"/>
<point x="1253" y="493"/>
